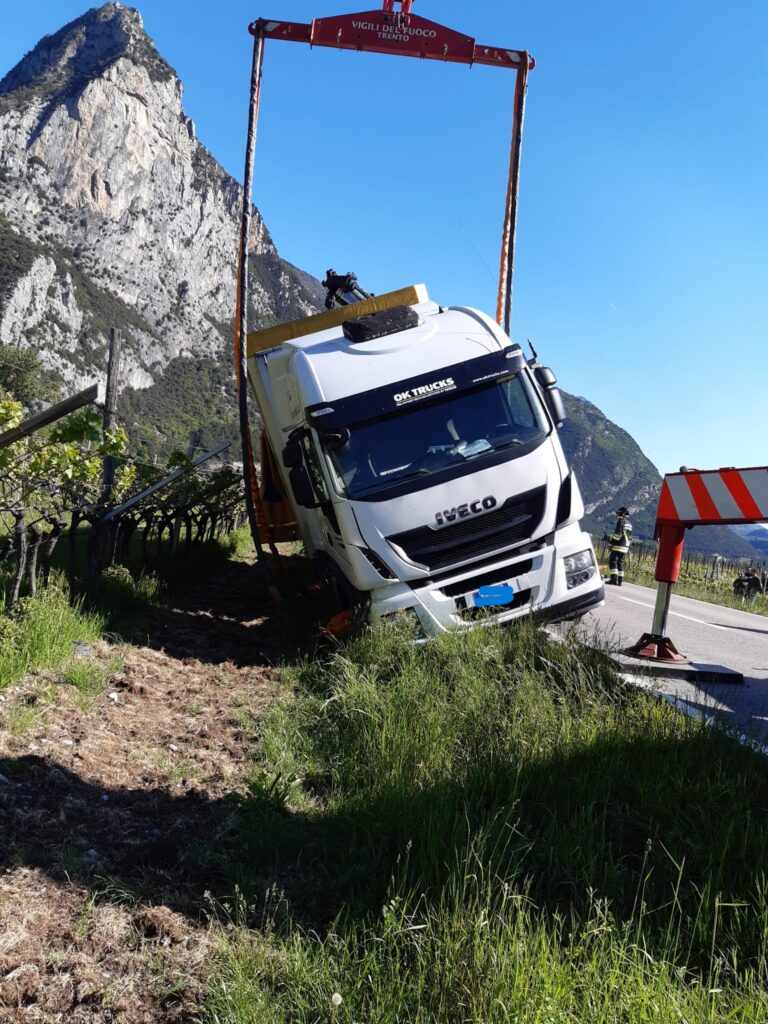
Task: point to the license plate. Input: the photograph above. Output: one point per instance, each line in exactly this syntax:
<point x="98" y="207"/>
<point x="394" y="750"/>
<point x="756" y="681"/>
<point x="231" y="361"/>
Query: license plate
<point x="494" y="597"/>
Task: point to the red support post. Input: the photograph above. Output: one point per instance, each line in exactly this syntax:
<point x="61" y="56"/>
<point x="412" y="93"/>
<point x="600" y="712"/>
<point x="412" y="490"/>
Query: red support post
<point x="695" y="497"/>
<point x="656" y="645"/>
<point x="671" y="537"/>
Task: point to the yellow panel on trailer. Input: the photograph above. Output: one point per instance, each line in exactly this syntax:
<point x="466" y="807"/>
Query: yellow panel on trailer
<point x="259" y="341"/>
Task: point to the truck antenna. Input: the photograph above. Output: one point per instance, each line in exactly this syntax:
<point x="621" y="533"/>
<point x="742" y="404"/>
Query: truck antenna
<point x="533" y="350"/>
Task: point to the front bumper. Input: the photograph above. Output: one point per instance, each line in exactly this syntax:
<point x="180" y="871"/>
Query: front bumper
<point x="574" y="607"/>
<point x="536" y="573"/>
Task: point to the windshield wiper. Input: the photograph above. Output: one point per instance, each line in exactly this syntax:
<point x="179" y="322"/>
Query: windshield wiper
<point x="493" y="448"/>
<point x="507" y="444"/>
<point x="393" y="481"/>
<point x="421" y="471"/>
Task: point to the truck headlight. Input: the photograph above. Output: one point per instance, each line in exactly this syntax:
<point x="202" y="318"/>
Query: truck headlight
<point x="579" y="568"/>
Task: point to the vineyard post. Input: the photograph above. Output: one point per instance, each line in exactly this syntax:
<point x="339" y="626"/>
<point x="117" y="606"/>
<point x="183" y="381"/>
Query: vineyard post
<point x="94" y="544"/>
<point x="35" y="537"/>
<point x="110" y="407"/>
<point x="20" y="536"/>
<point x="194" y="443"/>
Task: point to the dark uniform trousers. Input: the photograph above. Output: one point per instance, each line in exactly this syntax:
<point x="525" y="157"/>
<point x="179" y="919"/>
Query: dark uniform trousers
<point x="616" y="564"/>
<point x="619" y="546"/>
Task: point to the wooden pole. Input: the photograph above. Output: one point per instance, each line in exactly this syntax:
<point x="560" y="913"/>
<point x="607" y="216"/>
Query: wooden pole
<point x="241" y="315"/>
<point x="192" y="446"/>
<point x="110" y="408"/>
<point x="507" y="264"/>
<point x="130" y="502"/>
<point x="48" y="416"/>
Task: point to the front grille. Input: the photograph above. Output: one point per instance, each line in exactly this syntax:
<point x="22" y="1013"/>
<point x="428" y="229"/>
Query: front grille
<point x="515" y="521"/>
<point x="487" y="579"/>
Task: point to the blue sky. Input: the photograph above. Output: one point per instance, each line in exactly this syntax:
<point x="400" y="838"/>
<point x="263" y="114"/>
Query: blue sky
<point x="642" y="270"/>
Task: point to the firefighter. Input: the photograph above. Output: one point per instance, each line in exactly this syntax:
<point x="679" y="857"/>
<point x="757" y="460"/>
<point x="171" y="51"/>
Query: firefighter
<point x="619" y="543"/>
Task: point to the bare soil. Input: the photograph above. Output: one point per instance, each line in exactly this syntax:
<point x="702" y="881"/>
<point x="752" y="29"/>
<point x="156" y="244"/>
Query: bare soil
<point x="113" y="817"/>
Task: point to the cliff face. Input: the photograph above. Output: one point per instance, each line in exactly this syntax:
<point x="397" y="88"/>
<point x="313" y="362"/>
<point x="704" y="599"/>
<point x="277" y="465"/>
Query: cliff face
<point x="112" y="212"/>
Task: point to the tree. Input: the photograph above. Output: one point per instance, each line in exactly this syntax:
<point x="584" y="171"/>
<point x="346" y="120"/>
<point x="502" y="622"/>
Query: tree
<point x="22" y="376"/>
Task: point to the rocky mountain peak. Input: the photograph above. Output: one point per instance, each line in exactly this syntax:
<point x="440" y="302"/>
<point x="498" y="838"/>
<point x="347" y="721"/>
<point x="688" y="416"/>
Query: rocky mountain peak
<point x="112" y="213"/>
<point x="82" y="50"/>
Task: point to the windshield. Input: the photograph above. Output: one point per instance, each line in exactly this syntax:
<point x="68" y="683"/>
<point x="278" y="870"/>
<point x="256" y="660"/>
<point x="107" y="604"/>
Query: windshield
<point x="430" y="438"/>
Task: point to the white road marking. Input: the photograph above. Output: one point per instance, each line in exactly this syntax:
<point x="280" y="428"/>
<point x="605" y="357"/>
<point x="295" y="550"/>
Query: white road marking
<point x="701" y="622"/>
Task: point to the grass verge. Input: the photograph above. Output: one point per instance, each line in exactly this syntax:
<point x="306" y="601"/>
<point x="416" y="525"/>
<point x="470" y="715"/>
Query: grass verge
<point x="491" y="828"/>
<point x="89" y="678"/>
<point x="713" y="591"/>
<point x="42" y="632"/>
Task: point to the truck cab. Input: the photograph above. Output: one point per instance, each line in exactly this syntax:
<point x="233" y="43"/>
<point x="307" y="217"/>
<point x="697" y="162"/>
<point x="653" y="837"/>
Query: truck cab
<point x="419" y="449"/>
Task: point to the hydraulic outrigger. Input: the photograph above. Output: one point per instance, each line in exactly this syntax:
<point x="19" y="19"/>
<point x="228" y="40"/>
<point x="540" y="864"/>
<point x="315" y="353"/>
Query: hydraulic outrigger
<point x="391" y="30"/>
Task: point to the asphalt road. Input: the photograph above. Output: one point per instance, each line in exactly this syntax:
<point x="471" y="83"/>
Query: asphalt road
<point x="705" y="633"/>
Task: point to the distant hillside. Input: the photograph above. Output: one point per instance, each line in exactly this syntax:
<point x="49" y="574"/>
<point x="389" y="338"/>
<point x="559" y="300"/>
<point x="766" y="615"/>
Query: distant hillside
<point x="610" y="467"/>
<point x="757" y="536"/>
<point x="612" y="471"/>
<point x="193" y="395"/>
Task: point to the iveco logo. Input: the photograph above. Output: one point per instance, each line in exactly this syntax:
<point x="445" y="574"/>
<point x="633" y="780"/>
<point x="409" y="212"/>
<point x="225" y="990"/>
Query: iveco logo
<point x="474" y="508"/>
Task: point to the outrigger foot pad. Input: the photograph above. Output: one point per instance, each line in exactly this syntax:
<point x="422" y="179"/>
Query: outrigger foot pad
<point x="656" y="648"/>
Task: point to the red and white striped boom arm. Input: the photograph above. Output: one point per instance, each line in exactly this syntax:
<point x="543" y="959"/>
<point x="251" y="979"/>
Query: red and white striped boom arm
<point x="718" y="497"/>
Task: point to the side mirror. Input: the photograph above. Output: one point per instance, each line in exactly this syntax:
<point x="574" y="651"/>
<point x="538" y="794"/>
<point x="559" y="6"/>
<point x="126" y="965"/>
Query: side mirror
<point x="545" y="377"/>
<point x="546" y="380"/>
<point x="292" y="454"/>
<point x="556" y="406"/>
<point x="302" y="487"/>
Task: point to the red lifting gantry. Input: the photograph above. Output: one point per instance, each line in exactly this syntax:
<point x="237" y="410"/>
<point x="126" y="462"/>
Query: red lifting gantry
<point x="694" y="497"/>
<point x="391" y="30"/>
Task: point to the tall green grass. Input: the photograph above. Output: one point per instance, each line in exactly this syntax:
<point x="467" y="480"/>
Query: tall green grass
<point x="42" y="631"/>
<point x="463" y="959"/>
<point x="491" y="828"/>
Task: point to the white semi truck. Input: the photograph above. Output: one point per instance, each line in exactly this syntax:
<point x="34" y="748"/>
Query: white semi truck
<point x="418" y="448"/>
